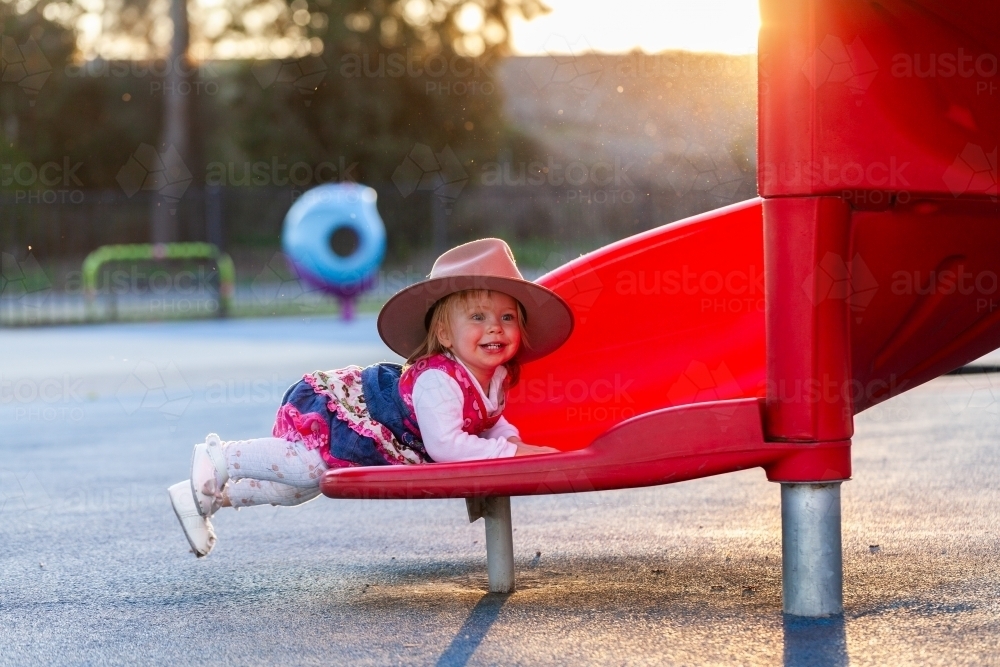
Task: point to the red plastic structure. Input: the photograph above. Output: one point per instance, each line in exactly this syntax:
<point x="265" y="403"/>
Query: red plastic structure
<point x="752" y="335"/>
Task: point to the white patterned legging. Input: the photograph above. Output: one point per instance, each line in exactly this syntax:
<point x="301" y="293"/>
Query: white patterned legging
<point x="271" y="471"/>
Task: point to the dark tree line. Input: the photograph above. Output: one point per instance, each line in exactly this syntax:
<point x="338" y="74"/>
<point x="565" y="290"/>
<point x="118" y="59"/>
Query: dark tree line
<point x="388" y="78"/>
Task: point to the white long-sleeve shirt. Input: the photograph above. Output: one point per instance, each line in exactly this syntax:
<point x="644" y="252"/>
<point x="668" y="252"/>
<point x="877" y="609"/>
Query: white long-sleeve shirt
<point x="438" y="402"/>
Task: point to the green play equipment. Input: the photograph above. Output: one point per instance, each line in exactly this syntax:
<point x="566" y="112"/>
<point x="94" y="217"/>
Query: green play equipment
<point x="157" y="252"/>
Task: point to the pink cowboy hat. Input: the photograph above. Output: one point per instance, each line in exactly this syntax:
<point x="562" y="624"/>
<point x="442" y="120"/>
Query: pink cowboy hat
<point x="486" y="264"/>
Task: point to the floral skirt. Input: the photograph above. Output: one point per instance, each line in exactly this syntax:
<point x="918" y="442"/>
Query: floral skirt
<point x="326" y="410"/>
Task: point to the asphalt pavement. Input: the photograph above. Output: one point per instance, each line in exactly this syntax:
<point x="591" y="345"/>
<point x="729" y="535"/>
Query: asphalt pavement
<point x="96" y="421"/>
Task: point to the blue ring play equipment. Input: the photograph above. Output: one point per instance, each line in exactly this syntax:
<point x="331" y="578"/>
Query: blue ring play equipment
<point x="308" y="239"/>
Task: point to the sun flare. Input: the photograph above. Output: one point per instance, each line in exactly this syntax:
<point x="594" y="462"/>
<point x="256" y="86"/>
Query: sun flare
<point x="722" y="26"/>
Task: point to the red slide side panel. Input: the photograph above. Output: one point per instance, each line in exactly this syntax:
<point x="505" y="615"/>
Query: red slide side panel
<point x="668" y="317"/>
<point x="927" y="299"/>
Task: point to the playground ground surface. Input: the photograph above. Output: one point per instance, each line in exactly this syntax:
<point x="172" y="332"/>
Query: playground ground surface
<point x="98" y="420"/>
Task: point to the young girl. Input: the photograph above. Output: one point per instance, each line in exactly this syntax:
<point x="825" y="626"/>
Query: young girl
<point x="464" y="332"/>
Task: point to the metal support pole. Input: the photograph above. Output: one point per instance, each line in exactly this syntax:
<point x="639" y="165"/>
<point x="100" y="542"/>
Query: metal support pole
<point x="499" y="540"/>
<point x="812" y="570"/>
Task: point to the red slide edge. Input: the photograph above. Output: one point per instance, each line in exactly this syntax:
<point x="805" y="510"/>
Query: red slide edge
<point x="698" y="440"/>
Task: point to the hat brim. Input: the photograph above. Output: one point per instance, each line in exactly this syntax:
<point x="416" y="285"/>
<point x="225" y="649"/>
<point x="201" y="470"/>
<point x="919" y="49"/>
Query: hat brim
<point x="549" y="321"/>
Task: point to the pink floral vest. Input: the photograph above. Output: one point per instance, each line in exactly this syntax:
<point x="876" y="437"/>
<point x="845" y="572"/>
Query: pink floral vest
<point x="474" y="410"/>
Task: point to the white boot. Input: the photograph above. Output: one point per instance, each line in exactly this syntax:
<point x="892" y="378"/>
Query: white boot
<point x="197" y="528"/>
<point x="209" y="474"/>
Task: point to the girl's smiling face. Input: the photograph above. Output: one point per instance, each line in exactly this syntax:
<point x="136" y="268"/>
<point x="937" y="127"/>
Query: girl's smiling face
<point x="483" y="334"/>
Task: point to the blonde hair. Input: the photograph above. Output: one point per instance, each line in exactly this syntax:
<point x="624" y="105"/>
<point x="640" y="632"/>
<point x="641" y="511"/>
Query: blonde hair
<point x="440" y="315"/>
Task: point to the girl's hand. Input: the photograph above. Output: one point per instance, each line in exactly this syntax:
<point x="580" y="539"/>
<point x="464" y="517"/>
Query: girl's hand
<point x="531" y="450"/>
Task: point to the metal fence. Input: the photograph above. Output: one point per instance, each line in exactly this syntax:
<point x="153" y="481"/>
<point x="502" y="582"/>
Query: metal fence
<point x="546" y="225"/>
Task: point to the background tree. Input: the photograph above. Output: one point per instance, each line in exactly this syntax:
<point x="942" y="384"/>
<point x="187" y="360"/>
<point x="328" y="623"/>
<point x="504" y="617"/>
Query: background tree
<point x="382" y="77"/>
<point x="309" y="80"/>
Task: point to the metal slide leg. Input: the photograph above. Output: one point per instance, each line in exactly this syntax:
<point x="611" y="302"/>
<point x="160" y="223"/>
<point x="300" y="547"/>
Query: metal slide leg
<point x="812" y="571"/>
<point x="499" y="540"/>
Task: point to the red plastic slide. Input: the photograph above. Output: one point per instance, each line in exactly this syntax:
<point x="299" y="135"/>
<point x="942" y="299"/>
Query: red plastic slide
<point x="665" y="319"/>
<point x="752" y="335"/>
